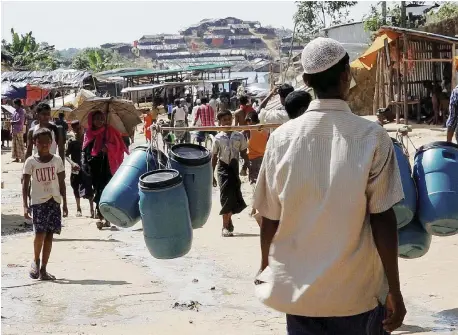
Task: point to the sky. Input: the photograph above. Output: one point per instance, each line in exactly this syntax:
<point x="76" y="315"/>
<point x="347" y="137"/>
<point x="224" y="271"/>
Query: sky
<point x="80" y="24"/>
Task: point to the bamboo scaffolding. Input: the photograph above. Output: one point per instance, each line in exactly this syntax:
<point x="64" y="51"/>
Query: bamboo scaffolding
<point x="428" y="60"/>
<point x="223" y="128"/>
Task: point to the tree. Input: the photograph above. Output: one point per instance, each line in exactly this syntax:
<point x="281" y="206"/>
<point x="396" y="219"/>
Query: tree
<point x="313" y="16"/>
<point x="97" y="60"/>
<point x="28" y="54"/>
<point x="447" y="11"/>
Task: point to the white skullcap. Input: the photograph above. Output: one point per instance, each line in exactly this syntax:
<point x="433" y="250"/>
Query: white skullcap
<point x="198" y="101"/>
<point x="182" y="99"/>
<point x="321" y="54"/>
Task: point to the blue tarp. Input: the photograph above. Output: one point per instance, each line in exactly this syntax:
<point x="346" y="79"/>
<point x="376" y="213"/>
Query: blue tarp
<point x="14" y="91"/>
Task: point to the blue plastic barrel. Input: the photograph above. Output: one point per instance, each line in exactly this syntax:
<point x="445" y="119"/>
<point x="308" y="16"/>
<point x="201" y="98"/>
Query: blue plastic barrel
<point x="194" y="163"/>
<point x="165" y="214"/>
<point x="406" y="208"/>
<point x="436" y="176"/>
<point x="414" y="240"/>
<point x="119" y="200"/>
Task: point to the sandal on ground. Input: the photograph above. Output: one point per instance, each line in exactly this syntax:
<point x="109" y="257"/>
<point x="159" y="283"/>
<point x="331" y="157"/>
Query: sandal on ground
<point x="226" y="233"/>
<point x="230" y="226"/>
<point x="107" y="224"/>
<point x="99" y="225"/>
<point x="35" y="270"/>
<point x="79" y="214"/>
<point x="46" y="276"/>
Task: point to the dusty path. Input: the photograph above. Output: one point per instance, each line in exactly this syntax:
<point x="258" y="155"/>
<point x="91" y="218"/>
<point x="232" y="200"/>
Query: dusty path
<point x="109" y="284"/>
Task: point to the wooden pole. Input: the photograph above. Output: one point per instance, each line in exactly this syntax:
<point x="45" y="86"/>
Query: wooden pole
<point x="377" y="79"/>
<point x="404" y="80"/>
<point x="382" y="77"/>
<point x="398" y="82"/>
<point x="453" y="66"/>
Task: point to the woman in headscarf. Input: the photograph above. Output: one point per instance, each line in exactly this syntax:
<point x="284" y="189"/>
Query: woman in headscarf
<point x="103" y="153"/>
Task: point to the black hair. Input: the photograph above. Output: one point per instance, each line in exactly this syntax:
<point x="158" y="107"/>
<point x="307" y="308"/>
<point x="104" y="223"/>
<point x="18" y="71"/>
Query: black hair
<point x="296" y="103"/>
<point x="17" y="102"/>
<point x="41" y="132"/>
<point x="243" y="99"/>
<point x="223" y="114"/>
<point x="253" y="117"/>
<point x="177" y="101"/>
<point x="328" y="80"/>
<point x="284" y="90"/>
<point x="204" y="100"/>
<point x="43" y="107"/>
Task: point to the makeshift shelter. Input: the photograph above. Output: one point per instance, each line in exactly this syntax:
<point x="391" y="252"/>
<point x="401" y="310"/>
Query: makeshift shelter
<point x="405" y="60"/>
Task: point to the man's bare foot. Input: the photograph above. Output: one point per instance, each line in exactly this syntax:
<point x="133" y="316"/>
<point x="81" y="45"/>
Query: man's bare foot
<point x="34" y="270"/>
<point x="226" y="233"/>
<point x="99" y="225"/>
<point x="46" y="276"/>
<point x="16" y="161"/>
<point x="107" y="224"/>
<point x="230" y="226"/>
<point x="253" y="212"/>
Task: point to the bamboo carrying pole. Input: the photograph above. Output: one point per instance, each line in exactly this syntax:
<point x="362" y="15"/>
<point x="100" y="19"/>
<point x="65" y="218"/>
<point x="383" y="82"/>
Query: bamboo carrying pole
<point x="429" y="60"/>
<point x="375" y="104"/>
<point x="225" y="128"/>
<point x="398" y="82"/>
<point x="382" y="78"/>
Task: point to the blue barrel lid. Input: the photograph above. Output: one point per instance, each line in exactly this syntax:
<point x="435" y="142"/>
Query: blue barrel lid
<point x="160" y="179"/>
<point x="190" y="154"/>
<point x="438" y="144"/>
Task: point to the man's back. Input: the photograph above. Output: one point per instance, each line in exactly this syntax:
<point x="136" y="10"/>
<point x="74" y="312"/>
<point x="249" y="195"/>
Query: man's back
<point x="327" y="170"/>
<point x="206" y="115"/>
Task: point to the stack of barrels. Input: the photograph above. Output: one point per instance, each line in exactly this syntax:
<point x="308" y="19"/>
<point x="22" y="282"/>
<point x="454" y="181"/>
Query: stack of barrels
<point x="172" y="196"/>
<point x="430" y="204"/>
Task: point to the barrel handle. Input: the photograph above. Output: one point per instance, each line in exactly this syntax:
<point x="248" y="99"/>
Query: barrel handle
<point x="448" y="155"/>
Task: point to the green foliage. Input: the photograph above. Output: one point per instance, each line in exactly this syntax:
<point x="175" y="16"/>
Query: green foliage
<point x="312" y="16"/>
<point x="447" y="11"/>
<point x="97" y="60"/>
<point x="28" y="54"/>
<point x="374" y="20"/>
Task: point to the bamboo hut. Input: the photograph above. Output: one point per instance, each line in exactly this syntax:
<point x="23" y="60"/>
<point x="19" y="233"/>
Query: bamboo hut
<point x="404" y="60"/>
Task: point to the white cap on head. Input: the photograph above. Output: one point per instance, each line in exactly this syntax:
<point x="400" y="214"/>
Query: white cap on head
<point x="198" y="101"/>
<point x="182" y="99"/>
<point x="321" y="54"/>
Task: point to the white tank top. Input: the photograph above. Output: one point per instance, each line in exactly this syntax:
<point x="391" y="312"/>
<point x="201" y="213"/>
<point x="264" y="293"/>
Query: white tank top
<point x="180" y="114"/>
<point x="53" y="149"/>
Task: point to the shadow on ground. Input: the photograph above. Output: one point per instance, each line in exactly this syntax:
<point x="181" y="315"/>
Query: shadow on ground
<point x="84" y="240"/>
<point x="14" y="224"/>
<point x="90" y="282"/>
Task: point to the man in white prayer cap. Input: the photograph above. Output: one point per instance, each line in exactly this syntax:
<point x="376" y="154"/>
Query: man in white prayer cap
<point x="326" y="190"/>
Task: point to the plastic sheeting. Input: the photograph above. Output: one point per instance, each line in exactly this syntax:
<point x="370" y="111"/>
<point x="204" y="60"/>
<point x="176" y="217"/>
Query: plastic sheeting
<point x="56" y="78"/>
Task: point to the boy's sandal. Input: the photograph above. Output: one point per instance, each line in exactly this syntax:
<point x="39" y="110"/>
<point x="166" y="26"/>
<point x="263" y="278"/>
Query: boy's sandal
<point x="230" y="226"/>
<point x="35" y="270"/>
<point x="226" y="233"/>
<point x="79" y="214"/>
<point x="47" y="276"/>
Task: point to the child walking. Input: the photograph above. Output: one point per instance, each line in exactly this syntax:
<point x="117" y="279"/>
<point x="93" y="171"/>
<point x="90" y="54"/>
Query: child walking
<point x="256" y="147"/>
<point x="228" y="147"/>
<point x="47" y="175"/>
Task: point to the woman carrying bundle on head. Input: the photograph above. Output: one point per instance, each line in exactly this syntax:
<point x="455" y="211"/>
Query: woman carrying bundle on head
<point x="103" y="153"/>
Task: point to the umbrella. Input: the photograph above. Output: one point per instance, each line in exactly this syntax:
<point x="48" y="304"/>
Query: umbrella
<point x="122" y="114"/>
<point x="68" y="113"/>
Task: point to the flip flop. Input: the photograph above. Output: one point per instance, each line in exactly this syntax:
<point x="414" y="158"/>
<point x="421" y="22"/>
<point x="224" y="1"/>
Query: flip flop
<point x="47" y="276"/>
<point x="107" y="224"/>
<point x="34" y="272"/>
<point x="230" y="227"/>
<point x="79" y="214"/>
<point x="226" y="233"/>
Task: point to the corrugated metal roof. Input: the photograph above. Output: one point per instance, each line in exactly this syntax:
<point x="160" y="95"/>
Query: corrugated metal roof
<point x="205" y="67"/>
<point x="145" y="73"/>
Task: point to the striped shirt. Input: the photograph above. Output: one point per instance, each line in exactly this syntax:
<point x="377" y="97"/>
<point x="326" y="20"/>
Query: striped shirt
<point x="322" y="175"/>
<point x="206" y="114"/>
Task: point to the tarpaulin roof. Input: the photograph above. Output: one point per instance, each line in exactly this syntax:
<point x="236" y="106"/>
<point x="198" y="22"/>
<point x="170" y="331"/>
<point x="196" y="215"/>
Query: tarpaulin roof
<point x="369" y="57"/>
<point x="56" y="78"/>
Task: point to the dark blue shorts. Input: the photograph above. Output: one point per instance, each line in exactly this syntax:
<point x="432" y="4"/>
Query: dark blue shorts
<point x="369" y="323"/>
<point x="47" y="217"/>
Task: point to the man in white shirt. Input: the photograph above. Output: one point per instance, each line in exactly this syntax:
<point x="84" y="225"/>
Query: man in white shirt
<point x="194" y="111"/>
<point x="327" y="185"/>
<point x="213" y="104"/>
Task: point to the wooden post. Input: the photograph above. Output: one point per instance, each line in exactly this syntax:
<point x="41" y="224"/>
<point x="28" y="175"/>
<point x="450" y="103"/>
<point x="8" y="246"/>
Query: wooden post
<point x="382" y="77"/>
<point x="404" y="80"/>
<point x="453" y="66"/>
<point x="377" y="79"/>
<point x="398" y="82"/>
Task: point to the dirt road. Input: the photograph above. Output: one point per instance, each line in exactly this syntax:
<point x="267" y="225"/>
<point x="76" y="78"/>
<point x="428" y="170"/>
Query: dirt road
<point x="109" y="284"/>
